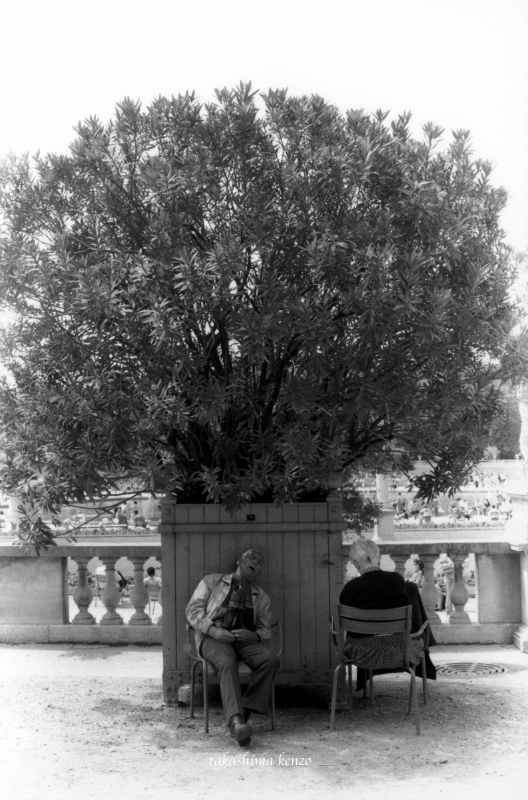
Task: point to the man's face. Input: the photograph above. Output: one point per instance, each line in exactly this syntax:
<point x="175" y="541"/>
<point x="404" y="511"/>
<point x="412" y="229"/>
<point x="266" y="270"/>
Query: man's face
<point x="250" y="566"/>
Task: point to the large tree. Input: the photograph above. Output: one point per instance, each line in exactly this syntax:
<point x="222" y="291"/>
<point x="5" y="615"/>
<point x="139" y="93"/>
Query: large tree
<point x="236" y="304"/>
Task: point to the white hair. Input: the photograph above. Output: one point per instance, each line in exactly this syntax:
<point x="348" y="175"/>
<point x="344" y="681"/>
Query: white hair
<point x="365" y="552"/>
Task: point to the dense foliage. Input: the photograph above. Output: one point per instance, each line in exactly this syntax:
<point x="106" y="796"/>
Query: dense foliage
<point x="236" y="304"/>
<point x="505" y="429"/>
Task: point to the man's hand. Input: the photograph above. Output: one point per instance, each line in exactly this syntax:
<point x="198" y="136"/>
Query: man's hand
<point x="243" y="636"/>
<point x="221" y="634"/>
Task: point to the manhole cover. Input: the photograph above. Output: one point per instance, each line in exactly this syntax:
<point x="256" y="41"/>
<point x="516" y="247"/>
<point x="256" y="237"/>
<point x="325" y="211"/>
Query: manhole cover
<point x="471" y="669"/>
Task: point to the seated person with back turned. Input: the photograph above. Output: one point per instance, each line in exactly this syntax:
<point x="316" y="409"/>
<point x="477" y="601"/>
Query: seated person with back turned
<point x="231" y="618"/>
<point x="151" y="583"/>
<point x="376" y="589"/>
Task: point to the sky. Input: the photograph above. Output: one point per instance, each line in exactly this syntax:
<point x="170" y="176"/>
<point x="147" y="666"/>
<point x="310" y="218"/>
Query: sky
<point x="459" y="63"/>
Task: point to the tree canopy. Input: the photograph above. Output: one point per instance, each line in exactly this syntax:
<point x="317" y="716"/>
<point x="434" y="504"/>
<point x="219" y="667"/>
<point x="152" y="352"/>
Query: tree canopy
<point x="239" y="300"/>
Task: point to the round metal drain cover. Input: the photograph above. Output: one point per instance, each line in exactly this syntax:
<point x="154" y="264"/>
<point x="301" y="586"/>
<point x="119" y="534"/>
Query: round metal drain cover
<point x="471" y="669"/>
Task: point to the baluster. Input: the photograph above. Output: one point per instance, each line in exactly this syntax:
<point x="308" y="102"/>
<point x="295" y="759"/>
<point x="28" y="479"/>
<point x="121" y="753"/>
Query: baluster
<point x="458" y="594"/>
<point x="139" y="595"/>
<point x="111" y="595"/>
<point x="400" y="562"/>
<point x="429" y="591"/>
<point x="82" y="595"/>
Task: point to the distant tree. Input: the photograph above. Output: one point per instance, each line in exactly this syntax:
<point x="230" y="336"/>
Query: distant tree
<point x="360" y="512"/>
<point x="235" y="305"/>
<point x="505" y="429"/>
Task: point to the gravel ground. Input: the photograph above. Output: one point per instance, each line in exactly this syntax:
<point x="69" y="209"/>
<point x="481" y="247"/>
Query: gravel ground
<point x="88" y="721"/>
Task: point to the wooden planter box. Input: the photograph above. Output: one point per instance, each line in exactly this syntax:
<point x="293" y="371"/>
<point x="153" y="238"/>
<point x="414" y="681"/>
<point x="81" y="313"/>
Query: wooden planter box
<point x="302" y="574"/>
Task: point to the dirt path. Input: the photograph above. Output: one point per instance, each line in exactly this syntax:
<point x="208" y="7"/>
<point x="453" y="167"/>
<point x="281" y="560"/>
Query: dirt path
<point x="88" y="723"/>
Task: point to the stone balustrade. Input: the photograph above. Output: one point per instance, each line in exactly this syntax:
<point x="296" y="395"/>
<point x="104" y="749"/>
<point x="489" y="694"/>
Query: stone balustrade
<point x="34" y="596"/>
<point x="34" y="599"/>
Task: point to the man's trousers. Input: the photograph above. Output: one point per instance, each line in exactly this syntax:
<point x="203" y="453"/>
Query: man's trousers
<point x="225" y="657"/>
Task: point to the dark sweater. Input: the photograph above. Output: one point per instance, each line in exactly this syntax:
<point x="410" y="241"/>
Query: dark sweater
<point x="379" y="589"/>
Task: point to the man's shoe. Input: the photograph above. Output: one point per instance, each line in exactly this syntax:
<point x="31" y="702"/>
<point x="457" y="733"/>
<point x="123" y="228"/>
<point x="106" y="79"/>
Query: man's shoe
<point x="240" y="730"/>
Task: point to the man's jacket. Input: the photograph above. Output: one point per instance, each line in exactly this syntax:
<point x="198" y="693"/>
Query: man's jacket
<point x="209" y="596"/>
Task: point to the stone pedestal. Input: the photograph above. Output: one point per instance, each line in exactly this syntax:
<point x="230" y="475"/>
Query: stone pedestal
<point x="520" y="636"/>
<point x="384" y="527"/>
<point x="498" y="588"/>
<point x="33" y="590"/>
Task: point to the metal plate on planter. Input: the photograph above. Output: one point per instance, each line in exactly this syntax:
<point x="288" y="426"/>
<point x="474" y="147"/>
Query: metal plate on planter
<point x="470" y="669"/>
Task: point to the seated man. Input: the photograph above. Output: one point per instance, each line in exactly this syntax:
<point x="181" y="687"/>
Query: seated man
<point x="231" y="618"/>
<point x="376" y="589"/>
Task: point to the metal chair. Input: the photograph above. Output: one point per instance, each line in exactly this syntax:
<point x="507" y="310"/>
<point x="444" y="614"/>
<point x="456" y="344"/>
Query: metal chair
<point x="153" y="598"/>
<point x="209" y="673"/>
<point x="374" y="623"/>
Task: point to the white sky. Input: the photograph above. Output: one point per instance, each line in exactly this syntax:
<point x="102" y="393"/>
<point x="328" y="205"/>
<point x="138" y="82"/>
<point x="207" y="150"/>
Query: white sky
<point x="460" y="63"/>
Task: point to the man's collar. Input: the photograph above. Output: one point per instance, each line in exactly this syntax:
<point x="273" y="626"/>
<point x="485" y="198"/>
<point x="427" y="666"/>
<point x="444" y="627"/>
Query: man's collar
<point x="228" y="578"/>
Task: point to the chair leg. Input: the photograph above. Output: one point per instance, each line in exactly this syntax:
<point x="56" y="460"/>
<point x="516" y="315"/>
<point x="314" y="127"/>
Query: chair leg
<point x="424" y="684"/>
<point x="371" y="681"/>
<point x="334" y="696"/>
<point x="413" y="699"/>
<point x="414" y="690"/>
<point x="273" y="707"/>
<point x="410" y="703"/>
<point x="205" y="696"/>
<point x="349" y="686"/>
<point x="193" y="683"/>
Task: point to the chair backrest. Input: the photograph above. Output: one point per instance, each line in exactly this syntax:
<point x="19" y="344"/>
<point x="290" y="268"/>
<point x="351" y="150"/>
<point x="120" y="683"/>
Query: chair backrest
<point x="371" y="622"/>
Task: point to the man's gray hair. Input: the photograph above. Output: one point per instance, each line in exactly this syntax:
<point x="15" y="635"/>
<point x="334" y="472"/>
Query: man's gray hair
<point x="365" y="552"/>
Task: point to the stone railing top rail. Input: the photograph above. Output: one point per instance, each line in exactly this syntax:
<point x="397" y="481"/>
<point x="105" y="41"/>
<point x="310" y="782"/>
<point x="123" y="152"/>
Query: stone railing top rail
<point x="446" y="546"/>
<point x="88" y="550"/>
